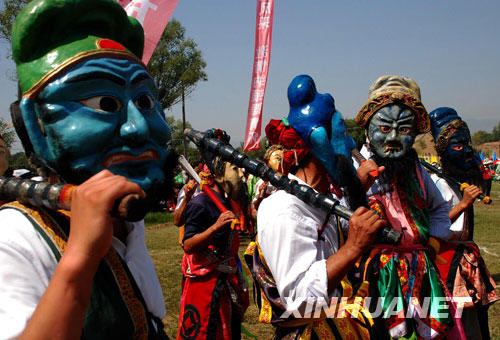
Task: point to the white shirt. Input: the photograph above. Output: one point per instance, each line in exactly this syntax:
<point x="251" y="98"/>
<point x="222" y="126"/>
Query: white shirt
<point x="439" y="213"/>
<point x="452" y="198"/>
<point x="296" y="257"/>
<point x="27" y="265"/>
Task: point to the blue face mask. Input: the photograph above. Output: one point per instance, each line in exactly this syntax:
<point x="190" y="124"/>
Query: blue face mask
<point x="102" y="114"/>
<point x="460" y="152"/>
<point x="314" y="117"/>
<point x="391" y="131"/>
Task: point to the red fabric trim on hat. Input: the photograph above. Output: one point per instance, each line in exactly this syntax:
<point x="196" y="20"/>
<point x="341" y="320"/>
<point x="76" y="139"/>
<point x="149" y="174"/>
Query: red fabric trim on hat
<point x="109" y="44"/>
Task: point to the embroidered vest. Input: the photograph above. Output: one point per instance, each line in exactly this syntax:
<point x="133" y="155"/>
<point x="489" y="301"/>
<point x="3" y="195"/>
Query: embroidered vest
<point x="116" y="309"/>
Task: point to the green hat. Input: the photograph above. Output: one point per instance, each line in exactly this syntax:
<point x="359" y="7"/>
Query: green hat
<point x="51" y="36"/>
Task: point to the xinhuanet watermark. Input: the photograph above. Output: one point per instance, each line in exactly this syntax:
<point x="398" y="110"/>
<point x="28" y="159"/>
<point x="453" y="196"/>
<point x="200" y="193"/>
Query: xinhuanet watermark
<point x="319" y="307"/>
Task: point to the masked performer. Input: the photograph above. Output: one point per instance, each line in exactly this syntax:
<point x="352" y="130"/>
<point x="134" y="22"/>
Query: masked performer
<point x="463" y="267"/>
<point x="89" y="115"/>
<point x="273" y="159"/>
<point x="488" y="175"/>
<point x="405" y="195"/>
<point x="301" y="258"/>
<point x="215" y="295"/>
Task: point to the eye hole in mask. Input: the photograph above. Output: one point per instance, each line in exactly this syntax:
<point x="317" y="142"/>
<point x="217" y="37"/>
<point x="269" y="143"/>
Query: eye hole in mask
<point x="107" y="104"/>
<point x="144" y="102"/>
<point x="385" y="129"/>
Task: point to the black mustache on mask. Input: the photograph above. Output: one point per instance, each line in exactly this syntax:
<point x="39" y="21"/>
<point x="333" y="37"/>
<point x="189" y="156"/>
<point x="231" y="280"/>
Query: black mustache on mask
<point x="396" y="167"/>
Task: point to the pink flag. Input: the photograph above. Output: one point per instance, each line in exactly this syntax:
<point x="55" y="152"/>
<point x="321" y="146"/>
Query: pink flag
<point x="154" y="16"/>
<point x="262" y="56"/>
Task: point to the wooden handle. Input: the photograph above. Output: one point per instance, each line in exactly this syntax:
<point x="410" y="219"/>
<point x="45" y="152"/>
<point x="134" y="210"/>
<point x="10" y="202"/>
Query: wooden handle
<point x="207" y="190"/>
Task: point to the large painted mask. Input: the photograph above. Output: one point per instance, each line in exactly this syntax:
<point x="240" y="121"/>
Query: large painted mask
<point x="460" y="151"/>
<point x="88" y="102"/>
<point x="228" y="176"/>
<point x="231" y="182"/>
<point x="314" y="117"/>
<point x="391" y="131"/>
<point x="452" y="138"/>
<point x="101" y="114"/>
<point x="393" y="116"/>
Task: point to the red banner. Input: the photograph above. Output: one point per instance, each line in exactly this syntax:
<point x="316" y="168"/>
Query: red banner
<point x="153" y="16"/>
<point x="262" y="56"/>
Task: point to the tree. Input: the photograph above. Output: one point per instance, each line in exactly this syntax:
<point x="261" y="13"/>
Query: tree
<point x="192" y="155"/>
<point x="357" y="133"/>
<point x="481" y="137"/>
<point x="176" y="65"/>
<point x="255" y="154"/>
<point x="19" y="161"/>
<point x="8" y="15"/>
<point x="495" y="133"/>
<point x="7" y="133"/>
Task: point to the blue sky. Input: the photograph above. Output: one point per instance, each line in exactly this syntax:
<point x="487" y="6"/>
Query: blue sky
<point x="450" y="47"/>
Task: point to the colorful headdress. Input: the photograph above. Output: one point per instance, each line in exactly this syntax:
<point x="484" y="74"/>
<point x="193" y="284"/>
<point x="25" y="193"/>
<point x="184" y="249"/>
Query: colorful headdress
<point x="51" y="36"/>
<point x="295" y="148"/>
<point x="444" y="123"/>
<point x="219" y="134"/>
<point x="205" y="174"/>
<point x="387" y="90"/>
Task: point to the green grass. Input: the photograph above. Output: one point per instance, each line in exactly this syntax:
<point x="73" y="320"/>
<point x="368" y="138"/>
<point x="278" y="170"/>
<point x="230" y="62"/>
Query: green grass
<point x="156" y="218"/>
<point x="487" y="236"/>
<point x="166" y="252"/>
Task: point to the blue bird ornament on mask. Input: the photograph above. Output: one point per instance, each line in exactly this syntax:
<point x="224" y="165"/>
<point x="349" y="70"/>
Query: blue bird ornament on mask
<point x="319" y="124"/>
<point x="101" y="114"/>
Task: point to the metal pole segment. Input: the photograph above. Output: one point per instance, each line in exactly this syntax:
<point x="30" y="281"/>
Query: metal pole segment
<point x="58" y="197"/>
<point x="256" y="168"/>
